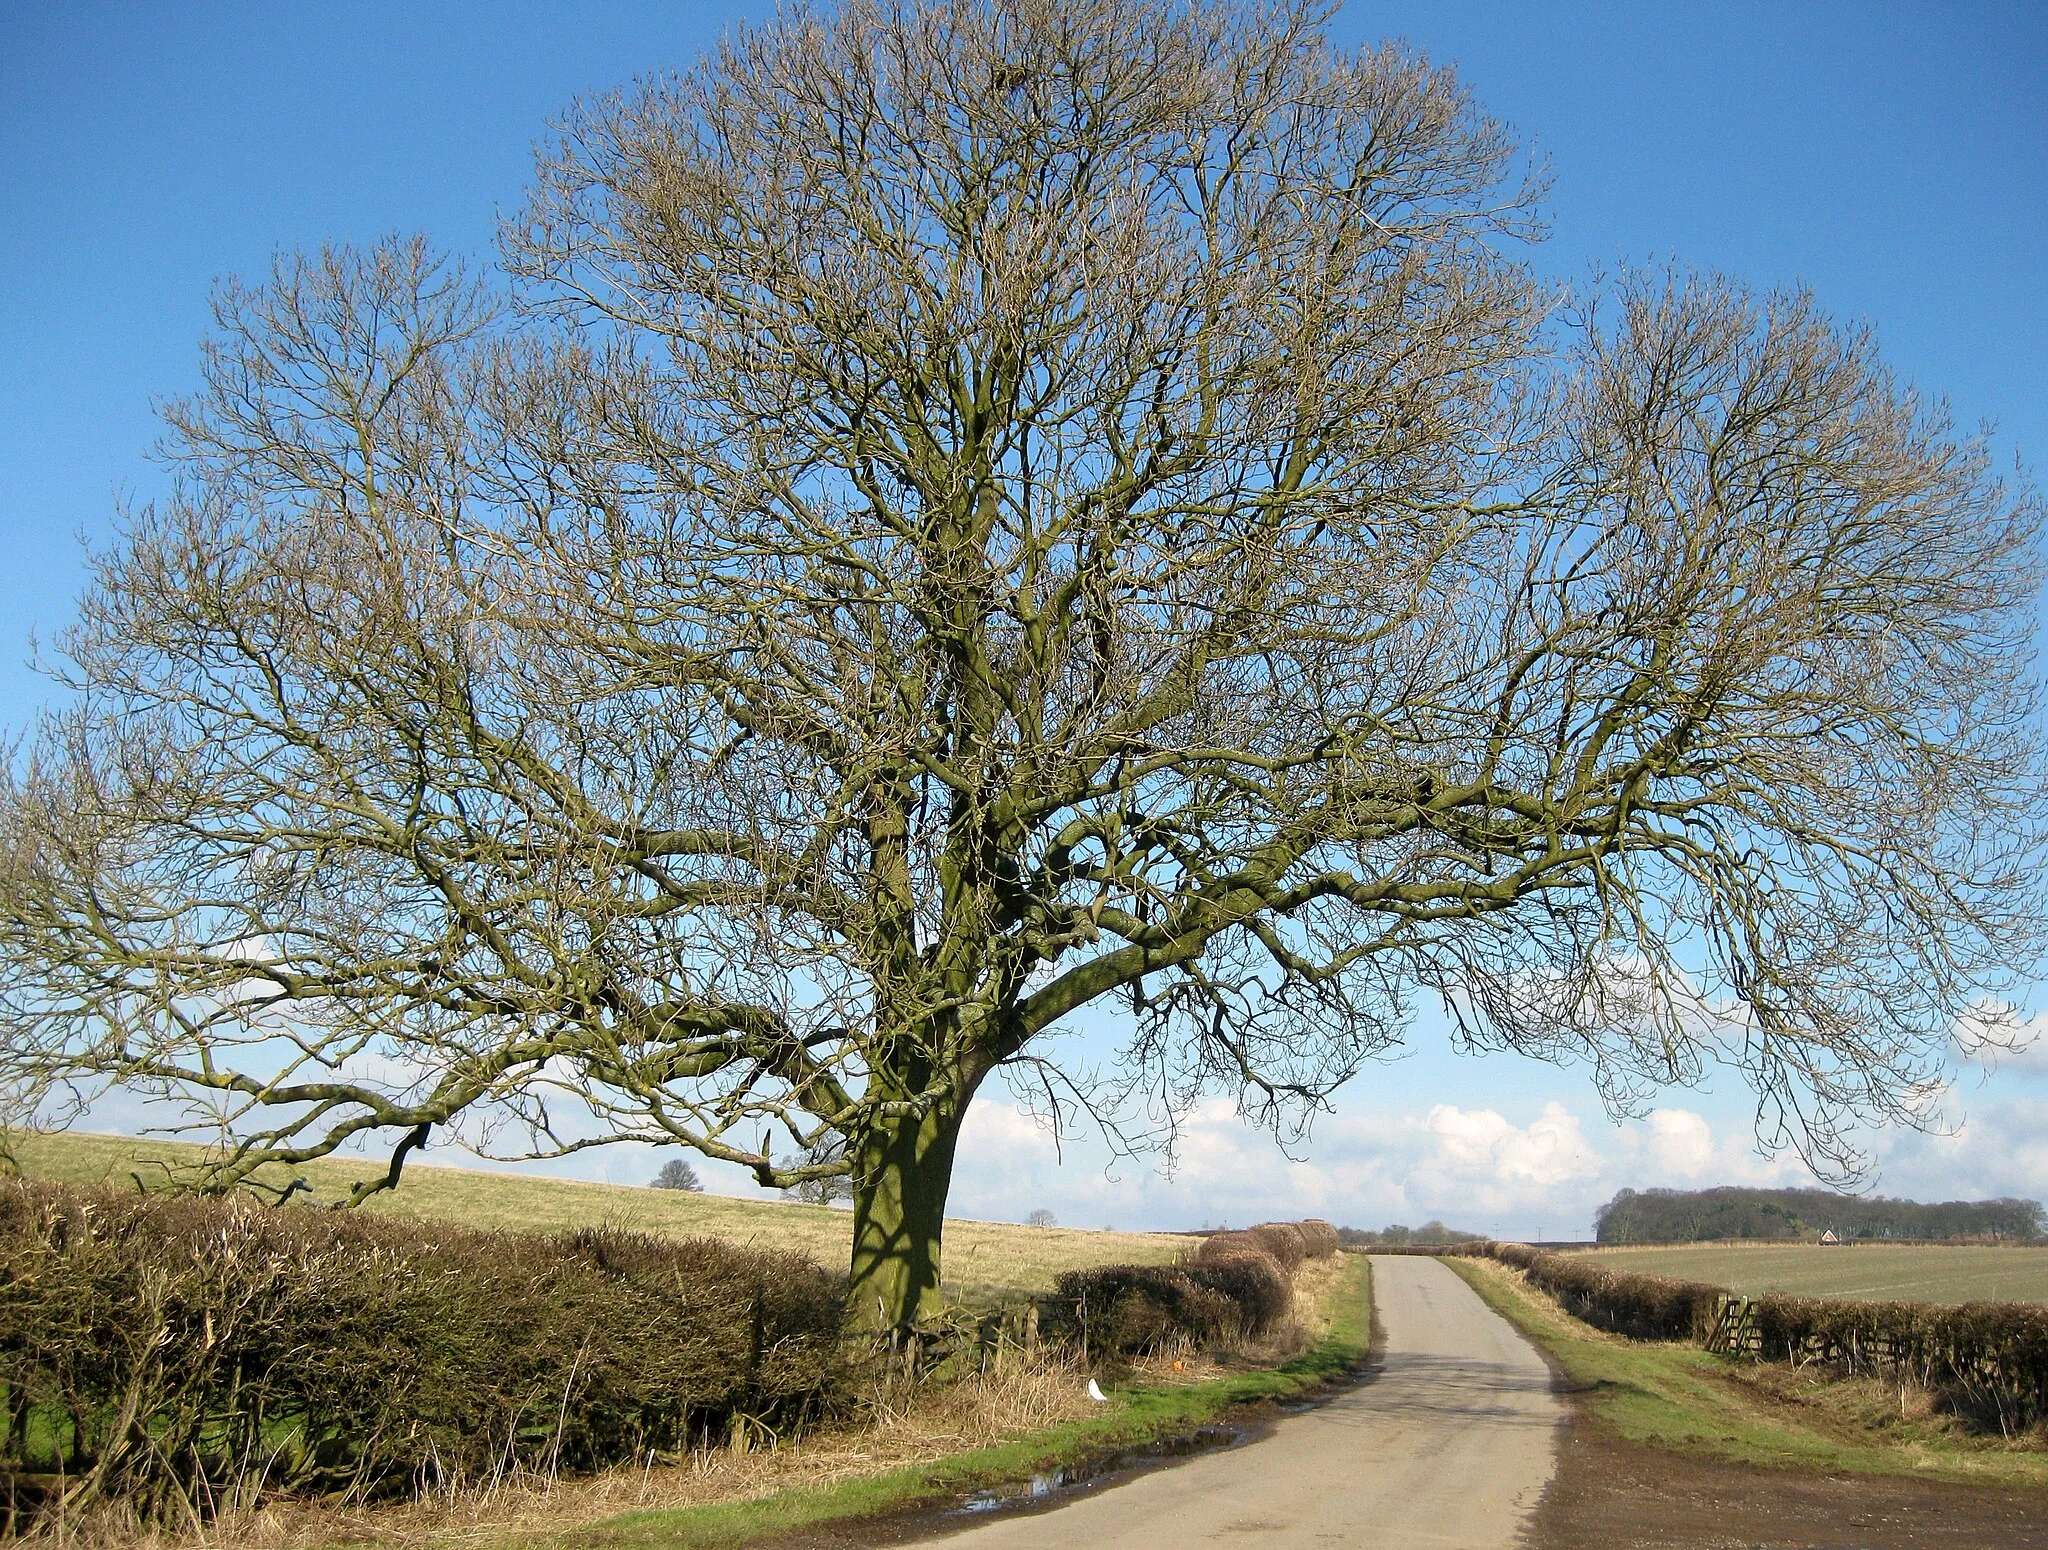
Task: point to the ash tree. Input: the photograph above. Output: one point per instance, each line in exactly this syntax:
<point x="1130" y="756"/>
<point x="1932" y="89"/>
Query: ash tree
<point x="951" y="513"/>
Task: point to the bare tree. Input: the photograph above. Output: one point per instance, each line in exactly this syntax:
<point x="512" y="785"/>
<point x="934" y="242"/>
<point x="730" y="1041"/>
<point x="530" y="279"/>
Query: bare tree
<point x="980" y="508"/>
<point x="677" y="1174"/>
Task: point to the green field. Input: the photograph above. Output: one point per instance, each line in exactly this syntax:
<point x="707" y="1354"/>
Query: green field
<point x="982" y="1258"/>
<point x="1875" y="1272"/>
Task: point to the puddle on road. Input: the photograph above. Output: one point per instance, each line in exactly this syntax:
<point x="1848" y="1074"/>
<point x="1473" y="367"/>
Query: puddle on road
<point x="1203" y="1439"/>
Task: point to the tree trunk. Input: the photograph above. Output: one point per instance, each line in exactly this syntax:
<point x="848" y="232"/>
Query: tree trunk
<point x="903" y="1169"/>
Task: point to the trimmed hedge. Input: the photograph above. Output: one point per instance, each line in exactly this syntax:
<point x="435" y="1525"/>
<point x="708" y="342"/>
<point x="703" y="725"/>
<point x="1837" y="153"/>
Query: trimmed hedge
<point x="1285" y="1243"/>
<point x="1237" y="1283"/>
<point x="1621" y="1301"/>
<point x="1988" y="1359"/>
<point x="178" y="1355"/>
<point x="1129" y="1308"/>
<point x="1282" y="1240"/>
<point x="1319" y="1237"/>
<point x="1260" y="1290"/>
<point x="1226" y="1245"/>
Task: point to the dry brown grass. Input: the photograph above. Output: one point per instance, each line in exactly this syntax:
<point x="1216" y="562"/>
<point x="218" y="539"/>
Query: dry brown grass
<point x="982" y="1258"/>
<point x="1316" y="1285"/>
<point x="1855" y="1407"/>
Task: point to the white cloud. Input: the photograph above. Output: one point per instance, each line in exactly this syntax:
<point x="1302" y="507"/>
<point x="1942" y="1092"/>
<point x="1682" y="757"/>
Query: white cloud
<point x="1481" y="1144"/>
<point x="1474" y="1165"/>
<point x="1680" y="1142"/>
<point x="1998" y="1147"/>
<point x="2002" y="1042"/>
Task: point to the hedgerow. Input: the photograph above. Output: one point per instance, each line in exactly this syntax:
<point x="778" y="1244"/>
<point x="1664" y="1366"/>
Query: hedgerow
<point x="1237" y="1283"/>
<point x="1987" y="1359"/>
<point x="1283" y="1241"/>
<point x="1319" y="1237"/>
<point x="176" y="1355"/>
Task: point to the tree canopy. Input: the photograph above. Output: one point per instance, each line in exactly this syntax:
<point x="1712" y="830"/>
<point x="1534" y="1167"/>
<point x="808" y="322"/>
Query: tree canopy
<point x="677" y="1174"/>
<point x="954" y="512"/>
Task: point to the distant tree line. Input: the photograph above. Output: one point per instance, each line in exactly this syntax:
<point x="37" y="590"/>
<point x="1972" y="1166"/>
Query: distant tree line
<point x="1732" y="1211"/>
<point x="1428" y="1232"/>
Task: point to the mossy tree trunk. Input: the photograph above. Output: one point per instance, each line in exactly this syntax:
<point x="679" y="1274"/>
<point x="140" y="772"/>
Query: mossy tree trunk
<point x="903" y="1168"/>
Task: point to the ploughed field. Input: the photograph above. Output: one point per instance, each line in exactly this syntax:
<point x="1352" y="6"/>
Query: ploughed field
<point x="984" y="1260"/>
<point x="1873" y="1272"/>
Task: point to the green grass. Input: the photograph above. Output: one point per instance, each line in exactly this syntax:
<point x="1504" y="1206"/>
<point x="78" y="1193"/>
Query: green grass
<point x="1135" y="1416"/>
<point x="1678" y="1397"/>
<point x="1877" y="1271"/>
<point x="983" y="1260"/>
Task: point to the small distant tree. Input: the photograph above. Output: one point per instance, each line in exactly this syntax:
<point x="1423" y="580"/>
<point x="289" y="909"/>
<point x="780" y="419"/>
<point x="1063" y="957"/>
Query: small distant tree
<point x="1042" y="1218"/>
<point x="815" y="1182"/>
<point x="822" y="1191"/>
<point x="677" y="1174"/>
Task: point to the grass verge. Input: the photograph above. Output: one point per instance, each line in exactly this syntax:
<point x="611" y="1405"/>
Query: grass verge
<point x="1135" y="1416"/>
<point x="1690" y="1401"/>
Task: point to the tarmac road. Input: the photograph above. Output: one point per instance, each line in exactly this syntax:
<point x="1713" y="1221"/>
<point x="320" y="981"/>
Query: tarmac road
<point x="1450" y="1444"/>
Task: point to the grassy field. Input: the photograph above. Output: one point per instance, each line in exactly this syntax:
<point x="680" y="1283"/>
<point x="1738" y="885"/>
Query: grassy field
<point x="1682" y="1398"/>
<point x="1908" y="1272"/>
<point x="983" y="1259"/>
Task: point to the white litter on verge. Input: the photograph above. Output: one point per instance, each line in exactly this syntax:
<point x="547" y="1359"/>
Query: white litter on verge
<point x="1095" y="1391"/>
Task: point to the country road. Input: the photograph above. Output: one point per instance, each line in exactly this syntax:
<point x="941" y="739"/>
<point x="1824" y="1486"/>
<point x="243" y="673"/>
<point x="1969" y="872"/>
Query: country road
<point x="1450" y="1444"/>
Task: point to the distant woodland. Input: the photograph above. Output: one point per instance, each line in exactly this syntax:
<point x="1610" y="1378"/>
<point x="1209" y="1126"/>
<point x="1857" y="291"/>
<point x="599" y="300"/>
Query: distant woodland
<point x="1428" y="1232"/>
<point x="1691" y="1216"/>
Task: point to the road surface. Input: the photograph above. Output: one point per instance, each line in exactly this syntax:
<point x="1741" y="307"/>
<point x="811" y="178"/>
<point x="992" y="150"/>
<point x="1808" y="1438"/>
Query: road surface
<point x="1450" y="1444"/>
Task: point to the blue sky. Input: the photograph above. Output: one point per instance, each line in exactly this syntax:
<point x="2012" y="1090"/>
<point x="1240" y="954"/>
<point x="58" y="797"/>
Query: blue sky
<point x="1893" y="157"/>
